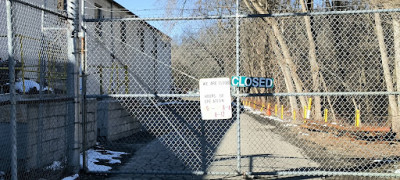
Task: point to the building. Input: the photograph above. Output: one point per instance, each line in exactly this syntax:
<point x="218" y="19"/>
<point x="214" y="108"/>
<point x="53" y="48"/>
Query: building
<point x="125" y="56"/>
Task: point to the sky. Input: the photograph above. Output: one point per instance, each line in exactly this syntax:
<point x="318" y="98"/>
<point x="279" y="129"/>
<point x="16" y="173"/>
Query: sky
<point x="143" y="8"/>
<point x="156" y="9"/>
<point x="146" y="8"/>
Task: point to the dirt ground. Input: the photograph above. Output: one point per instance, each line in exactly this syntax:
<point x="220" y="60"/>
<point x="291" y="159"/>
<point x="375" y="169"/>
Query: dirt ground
<point x="341" y="153"/>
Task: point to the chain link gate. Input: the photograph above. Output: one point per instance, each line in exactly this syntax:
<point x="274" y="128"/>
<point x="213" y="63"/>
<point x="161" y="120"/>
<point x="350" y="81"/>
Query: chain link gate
<point x="332" y="111"/>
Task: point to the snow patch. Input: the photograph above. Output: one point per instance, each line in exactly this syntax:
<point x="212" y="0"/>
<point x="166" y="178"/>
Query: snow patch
<point x="259" y="113"/>
<point x="397" y="171"/>
<point x="304" y="134"/>
<point x="73" y="177"/>
<point x="29" y="84"/>
<point x="256" y="112"/>
<point x="94" y="156"/>
<point x="55" y="166"/>
<point x="277" y="119"/>
<point x="290" y="125"/>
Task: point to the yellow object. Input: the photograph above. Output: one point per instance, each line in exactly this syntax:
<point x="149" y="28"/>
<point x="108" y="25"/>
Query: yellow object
<point x="357" y="118"/>
<point x="254" y="105"/>
<point x="326" y="115"/>
<point x="309" y="108"/>
<point x="126" y="79"/>
<point x="294" y="115"/>
<point x="282" y="112"/>
<point x="262" y="107"/>
<point x="309" y="103"/>
<point x="22" y="64"/>
<point x="40" y="62"/>
<point x="305" y="112"/>
<point x="276" y="110"/>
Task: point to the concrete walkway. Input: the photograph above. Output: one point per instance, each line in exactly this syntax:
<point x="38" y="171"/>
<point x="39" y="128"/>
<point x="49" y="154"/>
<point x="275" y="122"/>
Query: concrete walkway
<point x="261" y="151"/>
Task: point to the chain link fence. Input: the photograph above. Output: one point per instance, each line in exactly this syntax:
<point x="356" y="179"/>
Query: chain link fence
<point x="332" y="110"/>
<point x="37" y="126"/>
<point x="134" y="63"/>
<point x="350" y="58"/>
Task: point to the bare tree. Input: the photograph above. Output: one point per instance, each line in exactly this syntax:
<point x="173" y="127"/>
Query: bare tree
<point x="315" y="71"/>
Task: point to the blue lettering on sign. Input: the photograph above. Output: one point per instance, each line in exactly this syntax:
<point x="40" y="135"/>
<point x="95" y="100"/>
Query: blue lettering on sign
<point x="259" y="82"/>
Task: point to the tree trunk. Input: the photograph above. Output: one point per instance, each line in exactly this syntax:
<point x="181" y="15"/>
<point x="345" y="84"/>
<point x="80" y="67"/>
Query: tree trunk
<point x="288" y="60"/>
<point x="396" y="37"/>
<point x="313" y="63"/>
<point x="330" y="102"/>
<point x="285" y="49"/>
<point x="386" y="72"/>
<point x="286" y="73"/>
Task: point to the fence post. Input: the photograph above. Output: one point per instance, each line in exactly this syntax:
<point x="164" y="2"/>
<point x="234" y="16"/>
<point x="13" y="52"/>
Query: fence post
<point x="237" y="88"/>
<point x="84" y="90"/>
<point x="73" y="87"/>
<point x="42" y="77"/>
<point x="11" y="74"/>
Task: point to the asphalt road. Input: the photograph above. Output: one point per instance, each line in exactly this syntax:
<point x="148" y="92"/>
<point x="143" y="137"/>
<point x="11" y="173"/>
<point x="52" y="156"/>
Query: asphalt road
<point x="186" y="143"/>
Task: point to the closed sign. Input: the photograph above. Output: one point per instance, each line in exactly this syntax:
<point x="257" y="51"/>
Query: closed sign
<point x="258" y="82"/>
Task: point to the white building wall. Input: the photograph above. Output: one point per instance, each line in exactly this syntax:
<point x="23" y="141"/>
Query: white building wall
<point x="145" y="73"/>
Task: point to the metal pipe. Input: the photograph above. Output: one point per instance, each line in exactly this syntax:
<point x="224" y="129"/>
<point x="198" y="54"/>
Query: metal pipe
<point x="44" y="100"/>
<point x="335" y="173"/>
<point x="83" y="93"/>
<point x="41" y="8"/>
<point x="13" y="108"/>
<point x="250" y="94"/>
<point x="22" y="64"/>
<point x="237" y="88"/>
<point x="246" y="16"/>
<point x="41" y="85"/>
<point x="139" y="95"/>
<point x="73" y="88"/>
<point x="199" y="173"/>
<point x="319" y="94"/>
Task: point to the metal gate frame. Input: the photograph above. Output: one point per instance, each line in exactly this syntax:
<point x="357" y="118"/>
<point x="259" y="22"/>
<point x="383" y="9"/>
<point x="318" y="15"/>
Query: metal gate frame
<point x="238" y="94"/>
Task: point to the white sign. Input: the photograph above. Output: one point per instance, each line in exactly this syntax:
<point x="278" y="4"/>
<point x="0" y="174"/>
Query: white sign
<point x="215" y="98"/>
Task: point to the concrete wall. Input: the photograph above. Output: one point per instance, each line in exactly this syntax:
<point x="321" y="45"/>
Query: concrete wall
<point x="42" y="138"/>
<point x="114" y="122"/>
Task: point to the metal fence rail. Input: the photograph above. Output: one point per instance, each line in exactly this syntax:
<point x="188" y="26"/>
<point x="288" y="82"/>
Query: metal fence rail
<point x="122" y="97"/>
